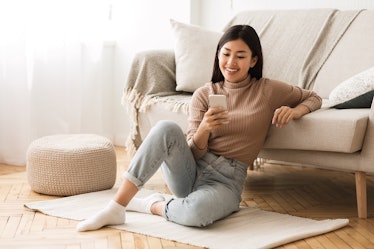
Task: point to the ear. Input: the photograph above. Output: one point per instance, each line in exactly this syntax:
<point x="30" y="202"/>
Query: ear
<point x="254" y="60"/>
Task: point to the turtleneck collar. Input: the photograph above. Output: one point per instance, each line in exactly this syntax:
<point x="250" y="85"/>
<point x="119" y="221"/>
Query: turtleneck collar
<point x="237" y="85"/>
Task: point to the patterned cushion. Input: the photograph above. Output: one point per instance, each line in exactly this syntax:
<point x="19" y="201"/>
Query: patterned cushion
<point x="355" y="92"/>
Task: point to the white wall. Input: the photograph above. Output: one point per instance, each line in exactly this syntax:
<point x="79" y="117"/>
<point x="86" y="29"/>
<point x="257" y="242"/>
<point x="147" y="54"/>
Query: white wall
<point x="216" y="13"/>
<point x="139" y="25"/>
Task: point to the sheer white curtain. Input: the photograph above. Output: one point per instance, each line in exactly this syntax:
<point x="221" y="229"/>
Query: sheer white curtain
<point x="55" y="73"/>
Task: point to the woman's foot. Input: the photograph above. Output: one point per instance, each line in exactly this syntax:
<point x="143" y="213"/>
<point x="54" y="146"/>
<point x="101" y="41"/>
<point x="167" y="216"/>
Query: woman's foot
<point x="143" y="205"/>
<point x="112" y="214"/>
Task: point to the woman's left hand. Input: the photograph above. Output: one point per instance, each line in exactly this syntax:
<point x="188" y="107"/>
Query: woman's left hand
<point x="283" y="115"/>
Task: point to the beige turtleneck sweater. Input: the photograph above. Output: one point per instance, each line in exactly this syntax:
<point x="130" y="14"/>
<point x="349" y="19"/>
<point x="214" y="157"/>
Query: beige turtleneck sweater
<point x="251" y="105"/>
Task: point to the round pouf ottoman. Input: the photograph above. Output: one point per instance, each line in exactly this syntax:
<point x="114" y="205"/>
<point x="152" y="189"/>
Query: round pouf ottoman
<point x="65" y="165"/>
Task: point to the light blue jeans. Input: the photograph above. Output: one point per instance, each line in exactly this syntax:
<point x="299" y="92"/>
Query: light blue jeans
<point x="206" y="190"/>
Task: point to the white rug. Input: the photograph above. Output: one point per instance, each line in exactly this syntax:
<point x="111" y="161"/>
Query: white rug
<point x="248" y="228"/>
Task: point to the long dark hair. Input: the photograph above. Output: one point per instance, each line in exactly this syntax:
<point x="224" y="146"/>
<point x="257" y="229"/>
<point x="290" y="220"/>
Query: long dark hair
<point x="250" y="37"/>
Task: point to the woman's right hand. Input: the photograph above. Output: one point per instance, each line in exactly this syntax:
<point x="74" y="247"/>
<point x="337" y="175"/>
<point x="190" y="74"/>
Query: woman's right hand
<point x="215" y="117"/>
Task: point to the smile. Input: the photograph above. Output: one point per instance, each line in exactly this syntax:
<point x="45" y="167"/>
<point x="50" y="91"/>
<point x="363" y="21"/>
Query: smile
<point x="232" y="69"/>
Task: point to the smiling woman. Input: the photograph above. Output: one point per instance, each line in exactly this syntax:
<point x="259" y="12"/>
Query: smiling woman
<point x="232" y="60"/>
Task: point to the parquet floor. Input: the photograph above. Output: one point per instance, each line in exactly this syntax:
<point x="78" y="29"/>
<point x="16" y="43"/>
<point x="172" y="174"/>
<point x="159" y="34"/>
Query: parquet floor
<point x="294" y="190"/>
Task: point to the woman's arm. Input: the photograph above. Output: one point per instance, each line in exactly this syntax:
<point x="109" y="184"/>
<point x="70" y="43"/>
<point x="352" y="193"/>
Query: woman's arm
<point x="284" y="114"/>
<point x="213" y="118"/>
<point x="201" y="121"/>
<point x="290" y="102"/>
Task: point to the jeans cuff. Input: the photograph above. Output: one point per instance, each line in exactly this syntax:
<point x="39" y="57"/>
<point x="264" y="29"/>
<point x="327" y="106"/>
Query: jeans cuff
<point x="165" y="209"/>
<point x="133" y="180"/>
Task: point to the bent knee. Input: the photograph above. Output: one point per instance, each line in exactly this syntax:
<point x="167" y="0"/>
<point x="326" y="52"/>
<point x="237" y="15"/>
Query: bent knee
<point x="194" y="218"/>
<point x="198" y="214"/>
<point x="167" y="125"/>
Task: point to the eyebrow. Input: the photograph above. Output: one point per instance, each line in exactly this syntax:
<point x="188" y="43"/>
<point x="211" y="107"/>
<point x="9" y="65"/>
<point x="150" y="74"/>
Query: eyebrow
<point x="240" y="51"/>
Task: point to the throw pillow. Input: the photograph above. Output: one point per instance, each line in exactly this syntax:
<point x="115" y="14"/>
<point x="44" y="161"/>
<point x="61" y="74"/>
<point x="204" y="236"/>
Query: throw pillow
<point x="355" y="92"/>
<point x="195" y="49"/>
<point x="362" y="101"/>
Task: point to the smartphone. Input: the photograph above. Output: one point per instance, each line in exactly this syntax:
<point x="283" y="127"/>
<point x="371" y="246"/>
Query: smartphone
<point x="216" y="100"/>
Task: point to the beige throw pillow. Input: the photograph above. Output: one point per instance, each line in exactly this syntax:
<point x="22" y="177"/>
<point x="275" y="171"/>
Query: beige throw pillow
<point x="195" y="49"/>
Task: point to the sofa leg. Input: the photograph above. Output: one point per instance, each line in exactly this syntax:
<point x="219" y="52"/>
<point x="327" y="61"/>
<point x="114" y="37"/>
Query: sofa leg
<point x="361" y="194"/>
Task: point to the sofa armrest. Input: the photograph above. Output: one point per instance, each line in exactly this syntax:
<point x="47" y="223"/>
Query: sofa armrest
<point x="367" y="161"/>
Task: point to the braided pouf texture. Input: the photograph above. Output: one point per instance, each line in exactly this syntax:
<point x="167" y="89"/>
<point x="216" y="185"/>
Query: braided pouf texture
<point x="64" y="165"/>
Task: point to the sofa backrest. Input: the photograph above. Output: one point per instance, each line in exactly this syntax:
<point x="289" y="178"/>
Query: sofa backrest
<point x="312" y="47"/>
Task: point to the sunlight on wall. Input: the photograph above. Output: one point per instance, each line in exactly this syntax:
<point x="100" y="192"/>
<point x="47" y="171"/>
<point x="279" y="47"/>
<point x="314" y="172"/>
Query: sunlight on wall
<point x="47" y="26"/>
<point x="145" y="23"/>
<point x="137" y="26"/>
<point x="48" y="21"/>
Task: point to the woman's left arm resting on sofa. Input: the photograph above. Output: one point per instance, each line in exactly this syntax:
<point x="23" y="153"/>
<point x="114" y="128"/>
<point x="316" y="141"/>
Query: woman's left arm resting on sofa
<point x="284" y="114"/>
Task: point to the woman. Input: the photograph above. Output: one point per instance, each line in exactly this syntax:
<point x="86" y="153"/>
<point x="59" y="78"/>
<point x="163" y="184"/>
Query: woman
<point x="206" y="173"/>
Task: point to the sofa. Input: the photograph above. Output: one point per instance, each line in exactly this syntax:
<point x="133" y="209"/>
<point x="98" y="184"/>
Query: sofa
<point x="328" y="51"/>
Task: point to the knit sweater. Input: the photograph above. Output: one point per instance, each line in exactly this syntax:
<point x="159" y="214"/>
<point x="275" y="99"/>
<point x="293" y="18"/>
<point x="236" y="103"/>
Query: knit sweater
<point x="251" y="105"/>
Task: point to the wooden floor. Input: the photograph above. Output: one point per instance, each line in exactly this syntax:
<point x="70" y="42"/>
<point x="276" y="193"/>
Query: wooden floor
<point x="294" y="190"/>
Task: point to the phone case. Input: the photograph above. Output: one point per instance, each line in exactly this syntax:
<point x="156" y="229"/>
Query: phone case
<point x="217" y="100"/>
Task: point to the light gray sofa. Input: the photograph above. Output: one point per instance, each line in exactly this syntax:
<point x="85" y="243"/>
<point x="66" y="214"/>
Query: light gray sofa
<point x="315" y="49"/>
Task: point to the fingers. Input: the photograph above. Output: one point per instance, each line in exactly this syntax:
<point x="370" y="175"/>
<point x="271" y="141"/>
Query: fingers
<point x="215" y="117"/>
<point x="282" y="116"/>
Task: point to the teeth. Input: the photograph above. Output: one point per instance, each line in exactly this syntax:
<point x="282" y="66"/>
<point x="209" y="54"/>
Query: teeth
<point x="231" y="70"/>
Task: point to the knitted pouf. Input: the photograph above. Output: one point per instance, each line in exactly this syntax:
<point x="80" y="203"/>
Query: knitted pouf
<point x="64" y="165"/>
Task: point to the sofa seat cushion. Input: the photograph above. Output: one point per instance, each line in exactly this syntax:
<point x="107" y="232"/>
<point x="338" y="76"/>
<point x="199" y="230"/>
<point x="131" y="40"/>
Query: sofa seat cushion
<point x="327" y="129"/>
<point x="323" y="130"/>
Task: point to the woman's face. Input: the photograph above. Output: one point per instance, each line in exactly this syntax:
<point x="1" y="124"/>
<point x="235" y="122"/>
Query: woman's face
<point x="235" y="59"/>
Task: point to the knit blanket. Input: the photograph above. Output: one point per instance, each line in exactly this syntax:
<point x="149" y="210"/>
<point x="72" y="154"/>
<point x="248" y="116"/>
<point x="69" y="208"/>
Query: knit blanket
<point x="295" y="43"/>
<point x="152" y="76"/>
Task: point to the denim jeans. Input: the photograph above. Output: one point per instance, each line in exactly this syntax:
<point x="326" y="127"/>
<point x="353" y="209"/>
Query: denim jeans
<point x="205" y="190"/>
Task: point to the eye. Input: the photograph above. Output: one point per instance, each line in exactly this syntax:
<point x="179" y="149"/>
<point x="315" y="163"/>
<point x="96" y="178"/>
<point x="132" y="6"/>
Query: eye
<point x="226" y="54"/>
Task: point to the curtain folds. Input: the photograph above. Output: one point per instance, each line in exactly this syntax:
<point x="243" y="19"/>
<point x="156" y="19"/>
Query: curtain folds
<point x="55" y="72"/>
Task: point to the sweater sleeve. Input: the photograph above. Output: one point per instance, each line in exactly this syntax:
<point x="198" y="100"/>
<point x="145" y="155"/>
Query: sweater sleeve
<point x="198" y="106"/>
<point x="283" y="94"/>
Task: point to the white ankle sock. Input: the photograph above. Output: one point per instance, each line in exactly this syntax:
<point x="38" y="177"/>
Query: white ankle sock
<point x="143" y="205"/>
<point x="112" y="214"/>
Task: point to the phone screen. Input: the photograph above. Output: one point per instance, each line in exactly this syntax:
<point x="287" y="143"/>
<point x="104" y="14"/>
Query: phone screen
<point x="217" y="100"/>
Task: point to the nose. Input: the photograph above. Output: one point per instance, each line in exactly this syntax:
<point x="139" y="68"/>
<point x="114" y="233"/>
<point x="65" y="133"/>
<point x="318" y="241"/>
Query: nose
<point x="232" y="61"/>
